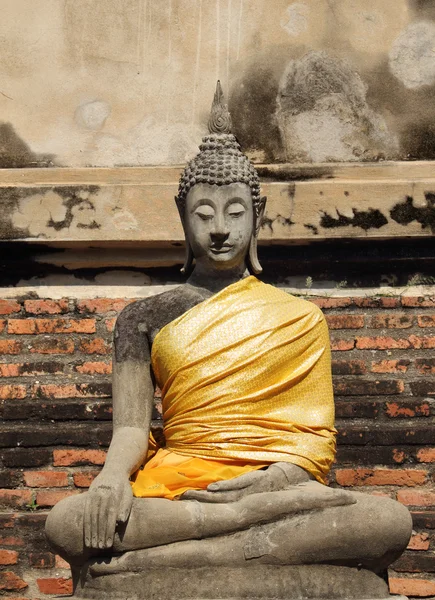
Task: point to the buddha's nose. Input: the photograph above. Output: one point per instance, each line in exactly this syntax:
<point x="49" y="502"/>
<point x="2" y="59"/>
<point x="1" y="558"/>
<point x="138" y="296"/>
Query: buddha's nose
<point x="220" y="231"/>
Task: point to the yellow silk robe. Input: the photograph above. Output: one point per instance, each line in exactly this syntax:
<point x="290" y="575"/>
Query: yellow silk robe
<point x="246" y="381"/>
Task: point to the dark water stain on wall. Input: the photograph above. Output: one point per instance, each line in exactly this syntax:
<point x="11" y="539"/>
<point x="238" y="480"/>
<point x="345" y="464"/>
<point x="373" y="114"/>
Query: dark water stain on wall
<point x="279" y="219"/>
<point x="423" y="8"/>
<point x="294" y="173"/>
<point x="75" y="203"/>
<point x="418" y="141"/>
<point x="9" y="201"/>
<point x="15" y="153"/>
<point x="405" y="212"/>
<point x="366" y="219"/>
<point x="252" y="104"/>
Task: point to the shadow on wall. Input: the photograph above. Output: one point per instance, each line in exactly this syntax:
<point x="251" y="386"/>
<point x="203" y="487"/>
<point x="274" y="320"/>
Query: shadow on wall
<point x="16" y="154"/>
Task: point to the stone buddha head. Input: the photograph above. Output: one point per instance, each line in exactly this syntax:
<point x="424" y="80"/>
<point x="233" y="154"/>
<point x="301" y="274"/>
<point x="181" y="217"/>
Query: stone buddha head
<point x="219" y="199"/>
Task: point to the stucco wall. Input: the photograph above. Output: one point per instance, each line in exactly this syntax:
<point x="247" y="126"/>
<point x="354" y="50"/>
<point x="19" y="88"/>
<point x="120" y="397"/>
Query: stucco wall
<point x="107" y="83"/>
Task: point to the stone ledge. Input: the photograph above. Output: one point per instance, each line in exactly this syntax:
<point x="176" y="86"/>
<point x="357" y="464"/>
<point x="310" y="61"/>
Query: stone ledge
<point x="305" y="203"/>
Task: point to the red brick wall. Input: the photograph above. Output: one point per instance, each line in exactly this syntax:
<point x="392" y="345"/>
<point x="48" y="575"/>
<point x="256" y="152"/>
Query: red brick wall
<point x="56" y="410"/>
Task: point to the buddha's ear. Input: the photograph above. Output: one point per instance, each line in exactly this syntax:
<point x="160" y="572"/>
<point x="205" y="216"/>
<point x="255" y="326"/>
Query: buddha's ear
<point x="254" y="263"/>
<point x="259" y="214"/>
<point x="181" y="208"/>
<point x="188" y="256"/>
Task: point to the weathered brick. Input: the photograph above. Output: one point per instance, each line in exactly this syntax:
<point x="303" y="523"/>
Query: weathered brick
<point x="345" y="321"/>
<point x="94" y="368"/>
<point x="52" y="346"/>
<point x="46" y="306"/>
<point x="407" y="409"/>
<point x="381" y="343"/>
<point x="418" y="301"/>
<point x="426" y="320"/>
<point x="41" y="560"/>
<point x="110" y="324"/>
<point x="361" y="410"/>
<point x="7" y="520"/>
<point x="416" y="497"/>
<point x="390" y="366"/>
<point x="46" y="478"/>
<point x="426" y="455"/>
<point x="423" y="388"/>
<point x="37" y="326"/>
<point x="45" y="434"/>
<point x="60" y="410"/>
<point x="423" y="519"/>
<point x="376" y="302"/>
<point x="10" y="347"/>
<point x="3" y="323"/>
<point x="421" y="588"/>
<point x="422" y="341"/>
<point x="55" y="585"/>
<point x="398" y="435"/>
<point x="419" y="541"/>
<point x="359" y="387"/>
<point x="411" y="562"/>
<point x="425" y="366"/>
<point x="25" y="457"/>
<point x="390" y="343"/>
<point x="348" y="367"/>
<point x="52" y="497"/>
<point x="403" y="477"/>
<point x="33" y="521"/>
<point x="14" y="392"/>
<point x="30" y="369"/>
<point x="8" y="307"/>
<point x="392" y="321"/>
<point x="11" y="581"/>
<point x="78" y="390"/>
<point x="15" y="498"/>
<point x="332" y="302"/>
<point x="10" y="479"/>
<point x="371" y="455"/>
<point x="8" y="557"/>
<point x="74" y="458"/>
<point x="102" y="305"/>
<point x="95" y="346"/>
<point x="340" y="345"/>
<point x="84" y="479"/>
<point x="61" y="563"/>
<point x="10" y="540"/>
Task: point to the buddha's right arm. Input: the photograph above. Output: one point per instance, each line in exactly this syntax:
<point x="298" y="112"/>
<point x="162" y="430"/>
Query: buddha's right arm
<point x="110" y="496"/>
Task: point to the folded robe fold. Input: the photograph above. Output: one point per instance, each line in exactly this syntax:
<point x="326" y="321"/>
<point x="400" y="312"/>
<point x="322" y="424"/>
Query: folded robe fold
<point x="246" y="381"/>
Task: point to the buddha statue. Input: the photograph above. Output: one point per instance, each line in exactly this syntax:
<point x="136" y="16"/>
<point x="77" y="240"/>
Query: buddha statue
<point x="235" y="504"/>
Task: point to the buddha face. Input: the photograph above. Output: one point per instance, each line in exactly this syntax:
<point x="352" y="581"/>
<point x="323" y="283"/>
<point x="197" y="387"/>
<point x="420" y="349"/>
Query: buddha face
<point x="219" y="223"/>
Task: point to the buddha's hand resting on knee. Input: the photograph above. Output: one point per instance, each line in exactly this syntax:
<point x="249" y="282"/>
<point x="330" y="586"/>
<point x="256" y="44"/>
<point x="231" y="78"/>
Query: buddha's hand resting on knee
<point x="279" y="476"/>
<point x="108" y="501"/>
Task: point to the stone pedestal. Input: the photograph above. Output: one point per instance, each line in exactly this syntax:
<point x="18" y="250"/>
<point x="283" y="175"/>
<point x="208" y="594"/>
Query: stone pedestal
<point x="256" y="581"/>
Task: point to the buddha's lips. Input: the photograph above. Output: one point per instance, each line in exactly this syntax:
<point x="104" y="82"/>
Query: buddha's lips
<point x="221" y="249"/>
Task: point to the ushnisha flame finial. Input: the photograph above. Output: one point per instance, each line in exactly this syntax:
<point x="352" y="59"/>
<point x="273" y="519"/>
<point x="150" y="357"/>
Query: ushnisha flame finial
<point x="220" y="119"/>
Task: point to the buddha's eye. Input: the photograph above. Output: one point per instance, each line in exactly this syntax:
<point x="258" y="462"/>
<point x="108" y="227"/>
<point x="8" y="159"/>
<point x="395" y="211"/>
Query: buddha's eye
<point x="236" y="210"/>
<point x="205" y="213"/>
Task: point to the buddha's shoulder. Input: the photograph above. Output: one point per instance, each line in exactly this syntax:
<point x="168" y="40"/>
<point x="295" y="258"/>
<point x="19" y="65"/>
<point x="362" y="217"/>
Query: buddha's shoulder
<point x="155" y="311"/>
<point x="296" y="303"/>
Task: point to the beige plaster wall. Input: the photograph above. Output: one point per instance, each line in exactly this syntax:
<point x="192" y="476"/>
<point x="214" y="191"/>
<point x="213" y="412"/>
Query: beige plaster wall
<point x="129" y="82"/>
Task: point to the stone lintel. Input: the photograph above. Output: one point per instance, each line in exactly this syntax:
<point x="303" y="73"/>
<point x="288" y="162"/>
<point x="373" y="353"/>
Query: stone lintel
<point x="306" y="203"/>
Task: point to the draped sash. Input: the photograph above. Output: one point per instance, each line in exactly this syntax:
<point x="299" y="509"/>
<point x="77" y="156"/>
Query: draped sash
<point x="246" y="379"/>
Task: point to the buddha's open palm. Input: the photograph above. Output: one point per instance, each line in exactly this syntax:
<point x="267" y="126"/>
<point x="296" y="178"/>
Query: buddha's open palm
<point x="279" y="476"/>
<point x="108" y="501"/>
